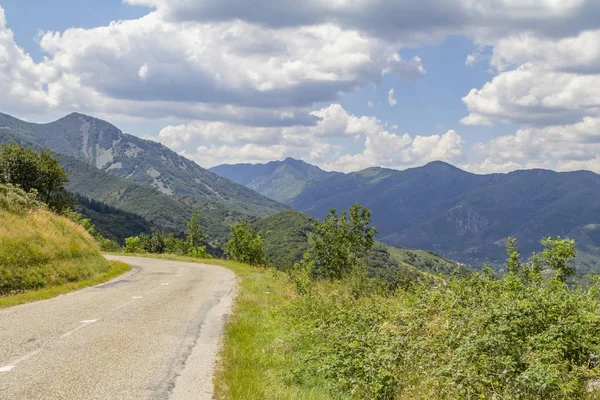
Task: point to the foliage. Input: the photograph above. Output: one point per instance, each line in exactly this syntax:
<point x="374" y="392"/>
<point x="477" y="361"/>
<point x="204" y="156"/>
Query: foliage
<point x="473" y="336"/>
<point x="111" y="222"/>
<point x="159" y="242"/>
<point x="133" y="245"/>
<point x="341" y="242"/>
<point x="105" y="243"/>
<point x="558" y="255"/>
<point x="245" y="245"/>
<point x="286" y="237"/>
<point x="31" y="170"/>
<point x="195" y="235"/>
<point x="302" y="274"/>
<point x="39" y="249"/>
<point x="513" y="266"/>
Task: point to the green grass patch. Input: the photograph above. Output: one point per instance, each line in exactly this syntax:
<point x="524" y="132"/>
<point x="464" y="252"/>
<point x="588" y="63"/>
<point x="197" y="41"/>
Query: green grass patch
<point x="115" y="269"/>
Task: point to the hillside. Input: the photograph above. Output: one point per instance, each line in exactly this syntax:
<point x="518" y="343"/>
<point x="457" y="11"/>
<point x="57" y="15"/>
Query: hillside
<point x="466" y="216"/>
<point x="278" y="180"/>
<point x="111" y="222"/>
<point x="286" y="236"/>
<point x="157" y="208"/>
<point x="144" y="162"/>
<point x="39" y="249"/>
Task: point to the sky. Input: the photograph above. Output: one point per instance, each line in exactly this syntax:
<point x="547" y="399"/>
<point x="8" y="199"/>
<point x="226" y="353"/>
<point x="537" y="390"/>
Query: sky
<point x="487" y="85"/>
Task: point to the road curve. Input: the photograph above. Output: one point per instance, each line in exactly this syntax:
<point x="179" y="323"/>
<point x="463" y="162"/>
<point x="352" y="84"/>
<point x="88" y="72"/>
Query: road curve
<point x="150" y="334"/>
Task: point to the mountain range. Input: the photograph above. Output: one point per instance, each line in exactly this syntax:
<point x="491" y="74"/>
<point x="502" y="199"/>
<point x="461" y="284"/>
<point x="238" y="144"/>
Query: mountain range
<point x="138" y="176"/>
<point x="147" y="163"/>
<point x="439" y="207"/>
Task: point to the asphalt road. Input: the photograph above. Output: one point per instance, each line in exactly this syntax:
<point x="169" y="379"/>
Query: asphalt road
<point x="152" y="333"/>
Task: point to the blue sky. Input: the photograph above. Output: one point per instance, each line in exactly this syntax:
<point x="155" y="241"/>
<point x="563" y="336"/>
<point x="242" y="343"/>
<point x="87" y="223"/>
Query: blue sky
<point x="223" y="82"/>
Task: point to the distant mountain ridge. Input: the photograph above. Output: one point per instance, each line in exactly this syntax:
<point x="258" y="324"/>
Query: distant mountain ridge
<point x="144" y="162"/>
<point x="278" y="180"/>
<point x="465" y="216"/>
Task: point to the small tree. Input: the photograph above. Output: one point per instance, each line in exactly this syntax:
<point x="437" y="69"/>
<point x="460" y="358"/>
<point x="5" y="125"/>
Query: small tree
<point x="40" y="171"/>
<point x="133" y="245"/>
<point x="195" y="237"/>
<point x="341" y="242"/>
<point x="557" y="255"/>
<point x="245" y="245"/>
<point x="512" y="262"/>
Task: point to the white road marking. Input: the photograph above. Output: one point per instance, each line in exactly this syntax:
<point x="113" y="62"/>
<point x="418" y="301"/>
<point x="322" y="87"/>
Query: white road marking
<point x="84" y="323"/>
<point x="19" y="360"/>
<point x="164" y="284"/>
<point x="26" y="356"/>
<point x="137" y="297"/>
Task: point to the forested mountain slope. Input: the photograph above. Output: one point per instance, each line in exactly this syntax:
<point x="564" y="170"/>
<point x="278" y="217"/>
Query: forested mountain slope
<point x="144" y="162"/>
<point x="466" y="216"/>
<point x="278" y="180"/>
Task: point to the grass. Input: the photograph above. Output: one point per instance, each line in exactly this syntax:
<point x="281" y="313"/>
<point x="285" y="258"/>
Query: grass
<point x="115" y="269"/>
<point x="43" y="254"/>
<point x="258" y="351"/>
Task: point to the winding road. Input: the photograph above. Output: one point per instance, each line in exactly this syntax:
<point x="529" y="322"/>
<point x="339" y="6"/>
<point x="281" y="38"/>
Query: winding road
<point x="152" y="333"/>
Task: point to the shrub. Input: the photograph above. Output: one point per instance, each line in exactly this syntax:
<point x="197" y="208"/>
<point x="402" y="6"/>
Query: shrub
<point x="245" y="245"/>
<point x="133" y="245"/>
<point x="301" y="274"/>
<point x="341" y="242"/>
<point x="475" y="336"/>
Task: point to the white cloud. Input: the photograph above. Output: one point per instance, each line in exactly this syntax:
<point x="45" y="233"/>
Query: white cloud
<point x="411" y="20"/>
<point x="533" y="95"/>
<point x="224" y="63"/>
<point x="143" y="72"/>
<point x="401" y="151"/>
<point x="391" y="98"/>
<point x="561" y="147"/>
<point x="218" y="142"/>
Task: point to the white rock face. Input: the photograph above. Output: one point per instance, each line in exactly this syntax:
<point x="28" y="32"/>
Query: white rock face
<point x="117" y="165"/>
<point x="104" y="156"/>
<point x="153" y="173"/>
<point x="85" y="134"/>
<point x="133" y="151"/>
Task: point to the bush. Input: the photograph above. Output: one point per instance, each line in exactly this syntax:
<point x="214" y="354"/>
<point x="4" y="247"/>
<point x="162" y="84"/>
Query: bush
<point x="518" y="337"/>
<point x="302" y="274"/>
<point x="245" y="245"/>
<point x="133" y="245"/>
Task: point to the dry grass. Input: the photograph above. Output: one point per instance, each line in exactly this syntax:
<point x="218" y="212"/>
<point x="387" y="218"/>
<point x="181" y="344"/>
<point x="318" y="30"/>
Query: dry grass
<point x="43" y="254"/>
<point x="115" y="269"/>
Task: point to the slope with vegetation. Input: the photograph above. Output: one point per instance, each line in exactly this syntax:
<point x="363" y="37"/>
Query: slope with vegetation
<point x="465" y="216"/>
<point x="43" y="254"/>
<point x="527" y="335"/>
<point x="278" y="180"/>
<point x="147" y="163"/>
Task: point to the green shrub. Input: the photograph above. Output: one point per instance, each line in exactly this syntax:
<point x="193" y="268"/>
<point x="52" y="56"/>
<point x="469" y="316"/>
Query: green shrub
<point x="521" y="336"/>
<point x="302" y="274"/>
<point x="245" y="245"/>
<point x="133" y="245"/>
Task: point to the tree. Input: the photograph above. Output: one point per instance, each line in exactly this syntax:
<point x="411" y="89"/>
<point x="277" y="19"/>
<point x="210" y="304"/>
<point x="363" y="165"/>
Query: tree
<point x="557" y="255"/>
<point x="512" y="262"/>
<point x="195" y="234"/>
<point x="246" y="245"/>
<point x="341" y="242"/>
<point x="41" y="172"/>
